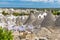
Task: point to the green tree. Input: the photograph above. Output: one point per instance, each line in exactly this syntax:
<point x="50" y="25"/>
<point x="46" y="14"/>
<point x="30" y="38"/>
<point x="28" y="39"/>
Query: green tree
<point x="5" y="34"/>
<point x="56" y="13"/>
<point x="4" y="13"/>
<point x="16" y="14"/>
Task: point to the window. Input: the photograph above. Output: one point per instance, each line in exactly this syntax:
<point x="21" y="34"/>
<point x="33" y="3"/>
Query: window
<point x="35" y="39"/>
<point x="41" y="39"/>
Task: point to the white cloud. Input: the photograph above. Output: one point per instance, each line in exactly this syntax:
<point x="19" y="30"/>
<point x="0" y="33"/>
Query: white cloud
<point x="51" y="1"/>
<point x="35" y="0"/>
<point x="58" y="0"/>
<point x="25" y="0"/>
<point x="39" y="0"/>
<point x="3" y="2"/>
<point x="44" y="0"/>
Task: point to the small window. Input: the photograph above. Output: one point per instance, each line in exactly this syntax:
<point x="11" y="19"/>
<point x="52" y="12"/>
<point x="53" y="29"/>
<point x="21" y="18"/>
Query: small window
<point x="35" y="39"/>
<point x="41" y="39"/>
<point x="44" y="16"/>
<point x="27" y="39"/>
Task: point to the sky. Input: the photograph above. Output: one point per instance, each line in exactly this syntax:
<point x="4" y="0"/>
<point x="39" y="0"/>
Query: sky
<point x="30" y="3"/>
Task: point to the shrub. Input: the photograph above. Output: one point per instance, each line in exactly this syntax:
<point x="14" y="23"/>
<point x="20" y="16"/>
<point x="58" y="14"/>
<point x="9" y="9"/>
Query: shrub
<point x="4" y="13"/>
<point x="16" y="14"/>
<point x="19" y="14"/>
<point x="56" y="13"/>
<point x="5" y="34"/>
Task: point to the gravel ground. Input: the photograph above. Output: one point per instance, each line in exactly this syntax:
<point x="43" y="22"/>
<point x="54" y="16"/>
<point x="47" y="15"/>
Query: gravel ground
<point x="50" y="33"/>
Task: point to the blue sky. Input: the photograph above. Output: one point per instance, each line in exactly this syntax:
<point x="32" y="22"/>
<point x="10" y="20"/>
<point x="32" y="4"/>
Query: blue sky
<point x="30" y="3"/>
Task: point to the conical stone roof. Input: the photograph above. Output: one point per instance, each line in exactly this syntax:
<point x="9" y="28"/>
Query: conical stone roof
<point x="37" y="22"/>
<point x="18" y="21"/>
<point x="30" y="19"/>
<point x="57" y="22"/>
<point x="48" y="20"/>
<point x="38" y="19"/>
